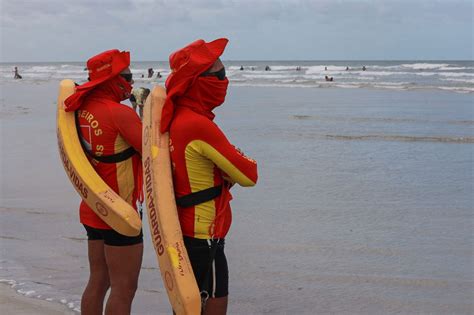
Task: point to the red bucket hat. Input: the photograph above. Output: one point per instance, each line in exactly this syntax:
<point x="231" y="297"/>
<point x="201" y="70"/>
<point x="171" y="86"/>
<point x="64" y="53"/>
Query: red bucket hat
<point x="186" y="65"/>
<point x="101" y="68"/>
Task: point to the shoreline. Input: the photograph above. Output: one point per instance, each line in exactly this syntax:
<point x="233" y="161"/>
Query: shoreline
<point x="12" y="302"/>
<point x="335" y="85"/>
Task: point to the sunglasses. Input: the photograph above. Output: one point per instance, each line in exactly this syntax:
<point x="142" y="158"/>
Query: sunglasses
<point x="127" y="76"/>
<point x="219" y="74"/>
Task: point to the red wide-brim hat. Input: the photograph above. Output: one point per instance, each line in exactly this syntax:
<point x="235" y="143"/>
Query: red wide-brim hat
<point x="102" y="67"/>
<point x="186" y="65"/>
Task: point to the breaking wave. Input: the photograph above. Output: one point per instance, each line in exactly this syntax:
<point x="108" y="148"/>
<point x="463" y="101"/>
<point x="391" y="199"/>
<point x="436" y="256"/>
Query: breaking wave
<point x="456" y="76"/>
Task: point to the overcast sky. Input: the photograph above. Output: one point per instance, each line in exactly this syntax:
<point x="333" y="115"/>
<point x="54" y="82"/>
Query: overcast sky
<point x="74" y="30"/>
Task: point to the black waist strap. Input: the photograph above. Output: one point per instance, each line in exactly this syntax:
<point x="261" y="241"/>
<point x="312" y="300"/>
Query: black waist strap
<point x="199" y="197"/>
<point x="114" y="158"/>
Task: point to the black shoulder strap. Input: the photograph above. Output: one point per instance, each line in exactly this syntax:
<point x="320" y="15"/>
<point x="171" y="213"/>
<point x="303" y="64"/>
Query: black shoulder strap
<point x="114" y="158"/>
<point x="199" y="197"/>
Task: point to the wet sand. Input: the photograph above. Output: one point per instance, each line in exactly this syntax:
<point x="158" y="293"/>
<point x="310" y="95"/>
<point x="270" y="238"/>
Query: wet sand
<point x="13" y="303"/>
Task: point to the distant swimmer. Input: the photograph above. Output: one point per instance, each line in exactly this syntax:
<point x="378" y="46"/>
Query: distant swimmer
<point x="138" y="97"/>
<point x="298" y="68"/>
<point x="17" y="75"/>
<point x="150" y="72"/>
<point x="329" y="79"/>
<point x="241" y="68"/>
<point x="158" y="75"/>
<point x="347" y="68"/>
<point x="267" y="68"/>
<point x="364" y="68"/>
<point x="253" y="68"/>
<point x="325" y="68"/>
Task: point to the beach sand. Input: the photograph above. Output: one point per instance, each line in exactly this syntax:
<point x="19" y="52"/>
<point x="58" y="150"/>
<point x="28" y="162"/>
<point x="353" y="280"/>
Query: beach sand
<point x="363" y="206"/>
<point x="12" y="302"/>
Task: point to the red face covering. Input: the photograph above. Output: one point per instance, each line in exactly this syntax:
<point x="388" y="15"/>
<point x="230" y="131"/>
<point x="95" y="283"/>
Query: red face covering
<point x="204" y="95"/>
<point x="118" y="87"/>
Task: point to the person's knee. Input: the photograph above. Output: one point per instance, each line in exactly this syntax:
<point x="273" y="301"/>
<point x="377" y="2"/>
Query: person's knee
<point x="98" y="286"/>
<point x="100" y="276"/>
<point x="216" y="306"/>
<point x="123" y="293"/>
<point x="124" y="288"/>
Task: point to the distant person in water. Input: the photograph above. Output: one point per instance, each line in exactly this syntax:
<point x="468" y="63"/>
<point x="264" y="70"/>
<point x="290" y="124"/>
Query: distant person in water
<point x="347" y="68"/>
<point x="364" y="68"/>
<point x="325" y="68"/>
<point x="158" y="75"/>
<point x="138" y="97"/>
<point x="267" y="68"/>
<point x="329" y="79"/>
<point x="241" y="68"/>
<point x="150" y="72"/>
<point x="17" y="75"/>
<point x="298" y="68"/>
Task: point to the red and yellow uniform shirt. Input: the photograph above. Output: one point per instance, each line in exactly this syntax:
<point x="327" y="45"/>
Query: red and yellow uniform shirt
<point x="202" y="157"/>
<point x="109" y="127"/>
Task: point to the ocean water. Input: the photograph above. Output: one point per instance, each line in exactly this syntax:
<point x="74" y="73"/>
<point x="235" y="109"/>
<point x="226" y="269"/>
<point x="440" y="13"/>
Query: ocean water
<point x="457" y="76"/>
<point x="364" y="203"/>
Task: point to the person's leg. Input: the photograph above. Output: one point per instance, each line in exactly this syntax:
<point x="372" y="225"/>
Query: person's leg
<point x="218" y="285"/>
<point x="92" y="301"/>
<point x="216" y="306"/>
<point x="124" y="264"/>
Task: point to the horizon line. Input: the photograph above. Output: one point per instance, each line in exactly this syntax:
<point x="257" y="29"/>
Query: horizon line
<point x="256" y="60"/>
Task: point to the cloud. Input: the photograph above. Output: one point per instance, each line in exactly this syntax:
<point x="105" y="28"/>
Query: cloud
<point x="259" y="29"/>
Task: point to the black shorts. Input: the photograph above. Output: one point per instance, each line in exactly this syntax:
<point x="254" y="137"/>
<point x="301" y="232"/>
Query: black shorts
<point x="217" y="283"/>
<point x="112" y="238"/>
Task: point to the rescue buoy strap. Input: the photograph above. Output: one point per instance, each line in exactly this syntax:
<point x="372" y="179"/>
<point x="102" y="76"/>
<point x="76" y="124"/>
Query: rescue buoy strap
<point x="199" y="197"/>
<point x="114" y="158"/>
